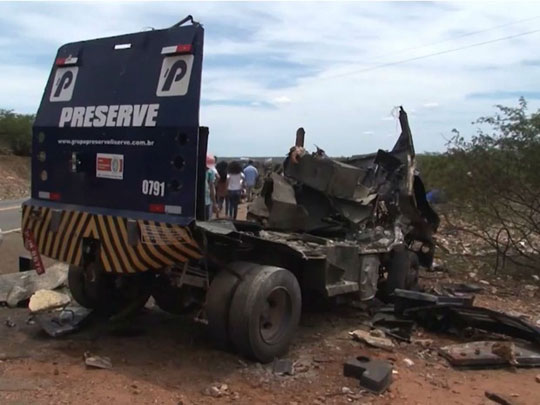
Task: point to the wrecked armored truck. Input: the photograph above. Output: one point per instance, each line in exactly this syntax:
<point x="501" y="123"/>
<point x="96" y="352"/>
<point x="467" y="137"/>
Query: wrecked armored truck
<point x="347" y="229"/>
<point x="118" y="193"/>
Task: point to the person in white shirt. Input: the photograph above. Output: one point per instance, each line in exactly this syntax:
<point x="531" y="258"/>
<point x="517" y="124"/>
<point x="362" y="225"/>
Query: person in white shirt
<point x="235" y="187"/>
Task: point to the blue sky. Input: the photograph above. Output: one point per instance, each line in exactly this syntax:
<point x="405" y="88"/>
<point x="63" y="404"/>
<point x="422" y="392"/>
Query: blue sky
<point x="272" y="67"/>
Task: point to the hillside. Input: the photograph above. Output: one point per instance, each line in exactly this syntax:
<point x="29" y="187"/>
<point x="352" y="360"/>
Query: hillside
<point x="14" y="177"/>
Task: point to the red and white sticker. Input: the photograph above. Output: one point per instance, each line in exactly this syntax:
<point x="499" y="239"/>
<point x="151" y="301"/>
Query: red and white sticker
<point x="110" y="166"/>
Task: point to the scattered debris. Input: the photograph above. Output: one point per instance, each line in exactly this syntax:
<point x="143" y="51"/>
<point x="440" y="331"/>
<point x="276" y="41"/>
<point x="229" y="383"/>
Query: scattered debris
<point x="499" y="398"/>
<point x="17" y="295"/>
<point x="43" y="300"/>
<point x="9" y="323"/>
<point x="97" y="361"/>
<point x="408" y="362"/>
<point x="425" y="343"/>
<point x="375" y="338"/>
<point x="400" y="329"/>
<point x="454" y="288"/>
<point x="445" y="317"/>
<point x="374" y="375"/>
<point x="404" y="299"/>
<point x="489" y="353"/>
<point x="346" y="391"/>
<point x="282" y="367"/>
<point x="216" y="390"/>
<point x="61" y="323"/>
<point x="54" y="277"/>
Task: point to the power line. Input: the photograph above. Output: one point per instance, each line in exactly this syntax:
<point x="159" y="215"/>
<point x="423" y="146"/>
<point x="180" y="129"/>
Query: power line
<point x="477" y="44"/>
<point x="467" y="34"/>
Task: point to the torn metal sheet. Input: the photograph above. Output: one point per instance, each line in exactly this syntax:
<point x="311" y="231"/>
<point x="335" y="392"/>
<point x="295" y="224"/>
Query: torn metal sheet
<point x="404" y="299"/>
<point x="327" y="175"/>
<point x="221" y="227"/>
<point x="490" y="354"/>
<point x="355" y="212"/>
<point x="92" y="360"/>
<point x="285" y="213"/>
<point x="69" y="320"/>
<point x="445" y="317"/>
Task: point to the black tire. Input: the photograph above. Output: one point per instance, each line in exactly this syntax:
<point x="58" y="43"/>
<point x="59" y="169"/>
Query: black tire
<point x="265" y="312"/>
<point x="178" y="301"/>
<point x="110" y="294"/>
<point x="218" y="300"/>
<point x="78" y="287"/>
<point x="398" y="269"/>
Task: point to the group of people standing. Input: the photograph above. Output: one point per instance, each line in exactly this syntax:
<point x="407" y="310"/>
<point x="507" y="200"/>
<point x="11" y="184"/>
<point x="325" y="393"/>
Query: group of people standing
<point x="226" y="184"/>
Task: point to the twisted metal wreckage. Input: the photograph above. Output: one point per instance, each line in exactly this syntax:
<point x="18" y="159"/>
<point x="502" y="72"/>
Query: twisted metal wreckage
<point x="352" y="219"/>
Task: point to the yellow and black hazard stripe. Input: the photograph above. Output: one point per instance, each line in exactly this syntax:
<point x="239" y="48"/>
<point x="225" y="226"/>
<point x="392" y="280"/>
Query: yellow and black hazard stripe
<point x="160" y="245"/>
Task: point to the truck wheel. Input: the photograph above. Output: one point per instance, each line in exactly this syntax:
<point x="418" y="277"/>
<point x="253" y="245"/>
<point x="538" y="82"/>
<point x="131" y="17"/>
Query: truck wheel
<point x="125" y="295"/>
<point x="398" y="269"/>
<point x="176" y="300"/>
<point x="77" y="283"/>
<point x="218" y="300"/>
<point x="112" y="294"/>
<point x="264" y="313"/>
<point x="411" y="282"/>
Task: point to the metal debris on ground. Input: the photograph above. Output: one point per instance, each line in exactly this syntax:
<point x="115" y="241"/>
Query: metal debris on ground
<point x="500" y="399"/>
<point x="66" y="321"/>
<point x="95" y="361"/>
<point x="375" y="338"/>
<point x="462" y="288"/>
<point x="491" y="354"/>
<point x="443" y="318"/>
<point x="405" y="299"/>
<point x="374" y="375"/>
<point x="399" y="329"/>
<point x="282" y="367"/>
<point x="44" y="300"/>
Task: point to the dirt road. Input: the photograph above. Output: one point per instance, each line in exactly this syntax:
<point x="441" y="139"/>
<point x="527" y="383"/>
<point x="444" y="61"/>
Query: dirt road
<point x="163" y="359"/>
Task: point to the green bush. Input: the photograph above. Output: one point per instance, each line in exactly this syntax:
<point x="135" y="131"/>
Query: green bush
<point x="16" y="132"/>
<point x="492" y="181"/>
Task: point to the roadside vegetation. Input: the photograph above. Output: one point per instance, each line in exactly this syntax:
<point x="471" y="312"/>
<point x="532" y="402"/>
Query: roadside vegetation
<point x="15" y="133"/>
<point x="490" y="183"/>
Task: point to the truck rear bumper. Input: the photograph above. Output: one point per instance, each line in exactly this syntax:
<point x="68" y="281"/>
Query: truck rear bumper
<point x="125" y="245"/>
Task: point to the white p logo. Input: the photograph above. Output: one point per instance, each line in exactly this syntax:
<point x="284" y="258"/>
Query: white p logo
<point x="174" y="76"/>
<point x="63" y="84"/>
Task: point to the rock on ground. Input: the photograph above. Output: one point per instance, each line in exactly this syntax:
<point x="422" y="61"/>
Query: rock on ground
<point x="44" y="300"/>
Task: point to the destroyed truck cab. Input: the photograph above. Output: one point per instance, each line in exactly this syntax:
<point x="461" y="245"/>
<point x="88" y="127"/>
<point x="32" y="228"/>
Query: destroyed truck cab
<point x="118" y="189"/>
<point x="321" y="230"/>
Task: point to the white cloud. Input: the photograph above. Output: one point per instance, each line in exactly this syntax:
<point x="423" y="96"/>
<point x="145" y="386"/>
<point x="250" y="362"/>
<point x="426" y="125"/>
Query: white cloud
<point x="281" y="100"/>
<point x="431" y="104"/>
